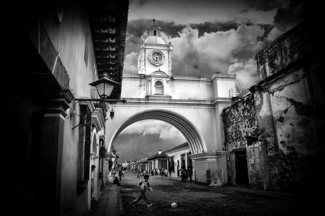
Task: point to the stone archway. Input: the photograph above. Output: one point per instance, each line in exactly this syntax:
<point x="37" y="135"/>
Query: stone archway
<point x="188" y="130"/>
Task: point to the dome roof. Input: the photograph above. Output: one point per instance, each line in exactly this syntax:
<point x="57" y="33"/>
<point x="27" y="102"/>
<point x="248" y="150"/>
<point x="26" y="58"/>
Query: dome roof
<point x="154" y="40"/>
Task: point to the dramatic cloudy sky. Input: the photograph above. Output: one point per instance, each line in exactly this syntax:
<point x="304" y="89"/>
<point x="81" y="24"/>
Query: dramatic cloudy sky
<point x="208" y="36"/>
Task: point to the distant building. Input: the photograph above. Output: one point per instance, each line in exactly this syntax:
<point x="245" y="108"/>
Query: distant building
<point x="142" y="165"/>
<point x="178" y="158"/>
<point x="157" y="161"/>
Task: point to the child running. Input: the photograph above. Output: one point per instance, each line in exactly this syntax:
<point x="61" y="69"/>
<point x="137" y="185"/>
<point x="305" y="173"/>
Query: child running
<point x="144" y="184"/>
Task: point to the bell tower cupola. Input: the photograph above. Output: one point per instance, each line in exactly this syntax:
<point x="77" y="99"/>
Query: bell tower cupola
<point x="155" y="60"/>
<point x="154" y="30"/>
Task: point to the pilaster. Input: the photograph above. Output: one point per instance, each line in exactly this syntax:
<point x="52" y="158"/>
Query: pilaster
<point x="210" y="165"/>
<point x="52" y="147"/>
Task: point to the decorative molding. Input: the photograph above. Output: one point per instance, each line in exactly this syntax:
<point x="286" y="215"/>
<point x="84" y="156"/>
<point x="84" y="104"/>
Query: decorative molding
<point x="170" y="62"/>
<point x="97" y="119"/>
<point x="141" y="62"/>
<point x="157" y="45"/>
<point x="220" y="75"/>
<point x="205" y="156"/>
<point x="165" y="100"/>
<point x="58" y="102"/>
<point x="217" y="100"/>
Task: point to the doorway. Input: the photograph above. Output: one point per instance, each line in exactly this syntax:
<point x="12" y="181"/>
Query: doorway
<point x="241" y="167"/>
<point x="183" y="161"/>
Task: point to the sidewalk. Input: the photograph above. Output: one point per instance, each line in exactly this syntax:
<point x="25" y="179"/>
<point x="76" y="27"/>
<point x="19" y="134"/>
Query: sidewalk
<point x="109" y="202"/>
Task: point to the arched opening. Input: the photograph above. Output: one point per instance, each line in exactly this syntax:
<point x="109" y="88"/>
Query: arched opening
<point x="188" y="130"/>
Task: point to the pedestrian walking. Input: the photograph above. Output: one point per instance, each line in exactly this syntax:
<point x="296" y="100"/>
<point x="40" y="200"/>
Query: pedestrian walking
<point x="144" y="184"/>
<point x="186" y="174"/>
<point x="92" y="180"/>
<point x="120" y="174"/>
<point x="139" y="174"/>
<point x="183" y="175"/>
<point x="115" y="181"/>
<point x="190" y="173"/>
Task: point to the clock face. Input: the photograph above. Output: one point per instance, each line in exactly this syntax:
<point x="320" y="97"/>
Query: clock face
<point x="156" y="57"/>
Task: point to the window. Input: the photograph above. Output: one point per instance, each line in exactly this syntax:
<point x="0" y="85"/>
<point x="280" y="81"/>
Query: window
<point x="159" y="88"/>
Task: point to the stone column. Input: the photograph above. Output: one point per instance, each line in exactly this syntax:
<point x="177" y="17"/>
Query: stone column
<point x="51" y="150"/>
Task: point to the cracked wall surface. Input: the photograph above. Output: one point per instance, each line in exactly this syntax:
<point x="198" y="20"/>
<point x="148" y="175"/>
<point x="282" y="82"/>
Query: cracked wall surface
<point x="241" y="125"/>
<point x="280" y="123"/>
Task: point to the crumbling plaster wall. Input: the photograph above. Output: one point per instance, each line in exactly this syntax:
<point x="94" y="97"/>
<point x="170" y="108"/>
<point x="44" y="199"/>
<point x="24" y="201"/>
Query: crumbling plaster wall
<point x="278" y="122"/>
<point x="240" y="123"/>
<point x="285" y="108"/>
<point x="276" y="126"/>
<point x="295" y="135"/>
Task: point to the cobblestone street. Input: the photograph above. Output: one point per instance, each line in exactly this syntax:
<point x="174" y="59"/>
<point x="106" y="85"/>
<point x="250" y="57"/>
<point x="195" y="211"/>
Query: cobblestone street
<point x="197" y="199"/>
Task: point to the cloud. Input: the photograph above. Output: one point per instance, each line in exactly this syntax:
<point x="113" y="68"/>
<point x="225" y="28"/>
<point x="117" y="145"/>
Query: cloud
<point x="266" y="5"/>
<point x="145" y="127"/>
<point x="274" y="34"/>
<point x="246" y="73"/>
<point x="201" y="56"/>
<point x="130" y="63"/>
<point x="196" y="11"/>
<point x="135" y="146"/>
<point x="136" y="29"/>
<point x="288" y="17"/>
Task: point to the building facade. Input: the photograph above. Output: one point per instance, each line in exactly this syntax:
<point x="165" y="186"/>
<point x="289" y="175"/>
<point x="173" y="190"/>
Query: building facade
<point x="191" y="104"/>
<point x="53" y="50"/>
<point x="157" y="162"/>
<point x="179" y="157"/>
<point x="274" y="133"/>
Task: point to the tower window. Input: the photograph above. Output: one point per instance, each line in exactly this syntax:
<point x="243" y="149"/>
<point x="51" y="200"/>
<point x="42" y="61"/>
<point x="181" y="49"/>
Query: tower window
<point x="159" y="88"/>
<point x="154" y="33"/>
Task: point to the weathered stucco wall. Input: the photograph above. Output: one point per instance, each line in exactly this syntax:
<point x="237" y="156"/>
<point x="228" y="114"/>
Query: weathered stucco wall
<point x="275" y="126"/>
<point x="241" y="126"/>
<point x="294" y="123"/>
<point x="283" y="110"/>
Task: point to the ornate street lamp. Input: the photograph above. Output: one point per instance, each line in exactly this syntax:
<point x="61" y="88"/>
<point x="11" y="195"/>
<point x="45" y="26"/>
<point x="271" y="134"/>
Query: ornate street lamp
<point x="104" y="86"/>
